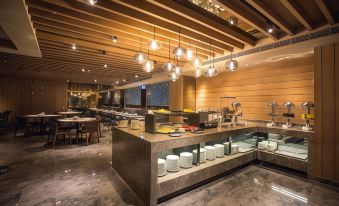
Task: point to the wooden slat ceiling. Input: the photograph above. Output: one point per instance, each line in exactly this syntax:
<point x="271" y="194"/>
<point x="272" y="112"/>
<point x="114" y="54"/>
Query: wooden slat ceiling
<point x="61" y="23"/>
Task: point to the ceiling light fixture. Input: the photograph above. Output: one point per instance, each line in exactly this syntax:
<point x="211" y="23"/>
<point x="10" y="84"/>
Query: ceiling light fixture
<point x="74" y="46"/>
<point x="168" y="65"/>
<point x="211" y="71"/>
<point x="177" y="69"/>
<point x="124" y="80"/>
<point x="92" y="2"/>
<point x="179" y="51"/>
<point x="105" y="65"/>
<point x="95" y="80"/>
<point x="173" y="76"/>
<point x="154" y="44"/>
<point x="232" y="64"/>
<point x="148" y="66"/>
<point x="136" y="76"/>
<point x="140" y="57"/>
<point x="233" y="21"/>
<point x="196" y="61"/>
<point x="83" y="70"/>
<point x="114" y="39"/>
<point x="189" y="53"/>
<point x="270" y="27"/>
<point x="197" y="73"/>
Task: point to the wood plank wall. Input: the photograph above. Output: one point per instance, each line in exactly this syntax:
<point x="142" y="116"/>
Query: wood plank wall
<point x="24" y="96"/>
<point x="285" y="80"/>
<point x="189" y="89"/>
<point x="325" y="162"/>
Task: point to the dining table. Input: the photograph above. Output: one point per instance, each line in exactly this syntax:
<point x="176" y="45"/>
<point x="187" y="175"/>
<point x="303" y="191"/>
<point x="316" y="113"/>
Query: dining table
<point x="69" y="113"/>
<point x="41" y="117"/>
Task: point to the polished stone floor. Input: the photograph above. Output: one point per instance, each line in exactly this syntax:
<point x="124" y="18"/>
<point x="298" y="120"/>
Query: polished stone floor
<point x="82" y="175"/>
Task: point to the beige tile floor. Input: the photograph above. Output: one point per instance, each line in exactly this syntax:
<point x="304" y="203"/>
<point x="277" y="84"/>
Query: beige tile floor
<point x="82" y="175"/>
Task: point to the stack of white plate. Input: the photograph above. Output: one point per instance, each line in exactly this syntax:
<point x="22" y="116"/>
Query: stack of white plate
<point x="202" y="156"/>
<point x="172" y="163"/>
<point x="219" y="150"/>
<point x="161" y="167"/>
<point x="186" y="159"/>
<point x="210" y="152"/>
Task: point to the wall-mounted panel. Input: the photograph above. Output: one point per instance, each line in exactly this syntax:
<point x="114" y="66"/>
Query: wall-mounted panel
<point x="157" y="94"/>
<point x="133" y="97"/>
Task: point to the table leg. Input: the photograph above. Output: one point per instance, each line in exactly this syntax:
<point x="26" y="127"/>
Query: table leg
<point x="41" y="125"/>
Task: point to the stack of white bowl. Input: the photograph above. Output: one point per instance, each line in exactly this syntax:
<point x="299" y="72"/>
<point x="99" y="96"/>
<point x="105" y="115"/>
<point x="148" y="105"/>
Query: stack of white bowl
<point x="172" y="163"/>
<point x="219" y="150"/>
<point x="161" y="167"/>
<point x="234" y="148"/>
<point x="210" y="152"/>
<point x="202" y="156"/>
<point x="271" y="146"/>
<point x="186" y="159"/>
<point x="262" y="145"/>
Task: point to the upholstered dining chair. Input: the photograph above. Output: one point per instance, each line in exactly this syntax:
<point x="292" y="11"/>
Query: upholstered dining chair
<point x="89" y="129"/>
<point x="56" y="131"/>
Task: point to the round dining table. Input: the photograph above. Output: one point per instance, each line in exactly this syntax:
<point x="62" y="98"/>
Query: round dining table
<point x="41" y="117"/>
<point x="69" y="113"/>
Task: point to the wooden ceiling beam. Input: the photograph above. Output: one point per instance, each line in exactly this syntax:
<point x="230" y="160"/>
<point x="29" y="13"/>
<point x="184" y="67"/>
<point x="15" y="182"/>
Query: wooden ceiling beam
<point x="236" y="37"/>
<point x="93" y="44"/>
<point x="200" y="15"/>
<point x="326" y="11"/>
<point x="101" y="17"/>
<point x="44" y="16"/>
<point x="57" y="27"/>
<point x="298" y="13"/>
<point x="239" y="10"/>
<point x="264" y="9"/>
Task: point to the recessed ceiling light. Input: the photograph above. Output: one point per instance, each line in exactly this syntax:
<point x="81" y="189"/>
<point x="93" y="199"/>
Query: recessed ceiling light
<point x="117" y="82"/>
<point x="124" y="80"/>
<point x="233" y="20"/>
<point x="114" y="39"/>
<point x="74" y="46"/>
<point x="88" y="70"/>
<point x="83" y="70"/>
<point x="136" y="76"/>
<point x="95" y="80"/>
<point x="105" y="65"/>
<point x="92" y="2"/>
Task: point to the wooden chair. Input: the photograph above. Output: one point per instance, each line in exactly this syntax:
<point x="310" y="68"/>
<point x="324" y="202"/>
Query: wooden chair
<point x="55" y="130"/>
<point x="89" y="129"/>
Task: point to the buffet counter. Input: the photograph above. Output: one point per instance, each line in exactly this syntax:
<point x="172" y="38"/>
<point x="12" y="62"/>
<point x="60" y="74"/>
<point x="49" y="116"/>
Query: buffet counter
<point x="135" y="157"/>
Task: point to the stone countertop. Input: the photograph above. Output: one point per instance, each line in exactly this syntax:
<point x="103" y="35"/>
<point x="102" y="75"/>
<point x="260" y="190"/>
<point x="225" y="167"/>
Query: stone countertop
<point x="163" y="141"/>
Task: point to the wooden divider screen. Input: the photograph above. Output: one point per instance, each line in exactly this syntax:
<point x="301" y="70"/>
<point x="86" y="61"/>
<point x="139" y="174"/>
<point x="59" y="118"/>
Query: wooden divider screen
<point x="326" y="141"/>
<point x="24" y="96"/>
<point x="255" y="86"/>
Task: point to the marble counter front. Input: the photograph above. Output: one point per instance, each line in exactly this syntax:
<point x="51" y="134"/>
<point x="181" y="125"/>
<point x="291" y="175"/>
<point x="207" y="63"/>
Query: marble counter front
<point x="135" y="154"/>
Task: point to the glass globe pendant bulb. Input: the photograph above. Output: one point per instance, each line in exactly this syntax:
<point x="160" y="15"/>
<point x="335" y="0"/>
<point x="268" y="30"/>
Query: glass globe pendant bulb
<point x="148" y="66"/>
<point x="189" y="54"/>
<point x="231" y="65"/>
<point x="178" y="52"/>
<point x="196" y="63"/>
<point x="173" y="76"/>
<point x="211" y="72"/>
<point x="140" y="58"/>
<point x="197" y="73"/>
<point x="177" y="70"/>
<point x="154" y="45"/>
<point x="168" y="66"/>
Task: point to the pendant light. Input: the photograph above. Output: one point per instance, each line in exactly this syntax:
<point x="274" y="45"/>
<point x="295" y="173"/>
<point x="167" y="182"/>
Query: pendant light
<point x="168" y="66"/>
<point x="189" y="54"/>
<point x="154" y="44"/>
<point x="179" y="51"/>
<point x="211" y="71"/>
<point x="173" y="76"/>
<point x="140" y="57"/>
<point x="196" y="61"/>
<point x="197" y="73"/>
<point x="232" y="64"/>
<point x="148" y="66"/>
<point x="177" y="69"/>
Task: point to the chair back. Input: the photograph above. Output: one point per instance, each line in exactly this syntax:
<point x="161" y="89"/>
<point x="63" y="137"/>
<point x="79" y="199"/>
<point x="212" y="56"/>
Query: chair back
<point x="20" y="122"/>
<point x="91" y="126"/>
<point x="53" y="127"/>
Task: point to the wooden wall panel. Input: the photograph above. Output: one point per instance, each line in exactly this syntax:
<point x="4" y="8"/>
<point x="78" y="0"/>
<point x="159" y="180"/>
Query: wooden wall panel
<point x="189" y="89"/>
<point x="24" y="96"/>
<point x="287" y="80"/>
<point x="326" y="142"/>
<point x="328" y="111"/>
<point x="336" y="71"/>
